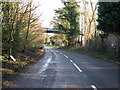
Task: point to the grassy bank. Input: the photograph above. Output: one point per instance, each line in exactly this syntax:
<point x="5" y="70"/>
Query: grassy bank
<point x="10" y="69"/>
<point x="52" y="45"/>
<point x="93" y="53"/>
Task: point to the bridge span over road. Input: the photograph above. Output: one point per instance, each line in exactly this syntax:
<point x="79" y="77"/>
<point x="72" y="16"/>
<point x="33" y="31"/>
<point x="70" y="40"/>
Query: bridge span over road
<point x="55" y="30"/>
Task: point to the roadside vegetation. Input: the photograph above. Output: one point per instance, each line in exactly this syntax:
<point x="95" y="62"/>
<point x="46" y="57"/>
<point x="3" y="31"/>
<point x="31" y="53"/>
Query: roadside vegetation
<point x="52" y="45"/>
<point x="93" y="53"/>
<point x="22" y="37"/>
<point x="10" y="69"/>
<point x="97" y="33"/>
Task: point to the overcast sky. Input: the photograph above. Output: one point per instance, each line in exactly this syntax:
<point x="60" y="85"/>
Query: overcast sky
<point x="47" y="9"/>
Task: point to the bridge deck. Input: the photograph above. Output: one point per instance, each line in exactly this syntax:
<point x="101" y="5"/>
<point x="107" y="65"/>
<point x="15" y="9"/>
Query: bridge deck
<point x="57" y="31"/>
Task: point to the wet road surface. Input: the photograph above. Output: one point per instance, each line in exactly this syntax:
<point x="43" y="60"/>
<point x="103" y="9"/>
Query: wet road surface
<point x="62" y="69"/>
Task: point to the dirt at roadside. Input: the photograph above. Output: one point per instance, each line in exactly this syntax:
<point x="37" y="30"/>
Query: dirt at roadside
<point x="10" y="69"/>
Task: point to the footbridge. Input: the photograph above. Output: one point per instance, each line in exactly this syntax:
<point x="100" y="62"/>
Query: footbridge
<point x="54" y="30"/>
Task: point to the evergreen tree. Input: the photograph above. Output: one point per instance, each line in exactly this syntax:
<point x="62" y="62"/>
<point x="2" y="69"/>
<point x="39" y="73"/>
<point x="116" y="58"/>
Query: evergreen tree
<point x="109" y="17"/>
<point x="68" y="20"/>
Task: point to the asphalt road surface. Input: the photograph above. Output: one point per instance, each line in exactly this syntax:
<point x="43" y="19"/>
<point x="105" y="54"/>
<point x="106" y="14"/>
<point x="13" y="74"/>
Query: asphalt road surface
<point x="62" y="69"/>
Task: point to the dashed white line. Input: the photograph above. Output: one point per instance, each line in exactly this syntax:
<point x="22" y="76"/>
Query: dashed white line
<point x="66" y="56"/>
<point x="77" y="67"/>
<point x="93" y="86"/>
<point x="61" y="53"/>
<point x="71" y="61"/>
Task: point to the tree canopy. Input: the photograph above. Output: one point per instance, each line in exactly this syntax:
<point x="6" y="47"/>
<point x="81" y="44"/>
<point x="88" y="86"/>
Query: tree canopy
<point x="20" y="27"/>
<point x="68" y="20"/>
<point x="109" y="17"/>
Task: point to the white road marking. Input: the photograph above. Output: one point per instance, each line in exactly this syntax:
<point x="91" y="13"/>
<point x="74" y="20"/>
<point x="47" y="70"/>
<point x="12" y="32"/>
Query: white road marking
<point x="45" y="65"/>
<point x="71" y="61"/>
<point x="77" y="67"/>
<point x="61" y="53"/>
<point x="93" y="86"/>
<point x="66" y="56"/>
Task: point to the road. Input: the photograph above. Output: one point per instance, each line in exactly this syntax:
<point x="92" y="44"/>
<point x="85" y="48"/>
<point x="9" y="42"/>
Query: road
<point x="62" y="69"/>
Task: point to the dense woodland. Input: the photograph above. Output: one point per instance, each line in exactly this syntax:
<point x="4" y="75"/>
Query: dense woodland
<point x="21" y="29"/>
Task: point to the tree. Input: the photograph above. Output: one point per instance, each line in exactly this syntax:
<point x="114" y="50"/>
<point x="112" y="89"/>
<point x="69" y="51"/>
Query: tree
<point x="88" y="19"/>
<point x="10" y="11"/>
<point x="68" y="20"/>
<point x="20" y="27"/>
<point x="59" y="39"/>
<point x="109" y="17"/>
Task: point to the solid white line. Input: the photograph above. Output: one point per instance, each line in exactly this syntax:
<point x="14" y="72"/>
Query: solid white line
<point x="93" y="86"/>
<point x="71" y="61"/>
<point x="66" y="56"/>
<point x="77" y="67"/>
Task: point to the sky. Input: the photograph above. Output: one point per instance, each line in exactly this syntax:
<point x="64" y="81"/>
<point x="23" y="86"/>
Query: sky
<point x="47" y="8"/>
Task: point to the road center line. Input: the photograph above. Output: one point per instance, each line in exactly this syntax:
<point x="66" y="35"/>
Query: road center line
<point x="66" y="56"/>
<point x="93" y="86"/>
<point x="71" y="61"/>
<point x="61" y="53"/>
<point x="77" y="67"/>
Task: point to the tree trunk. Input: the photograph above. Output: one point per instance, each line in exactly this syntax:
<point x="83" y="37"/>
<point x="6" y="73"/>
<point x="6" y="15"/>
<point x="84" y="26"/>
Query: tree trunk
<point x="28" y="26"/>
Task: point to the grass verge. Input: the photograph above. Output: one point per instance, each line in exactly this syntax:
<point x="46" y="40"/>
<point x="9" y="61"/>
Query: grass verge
<point x="93" y="53"/>
<point x="52" y="45"/>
